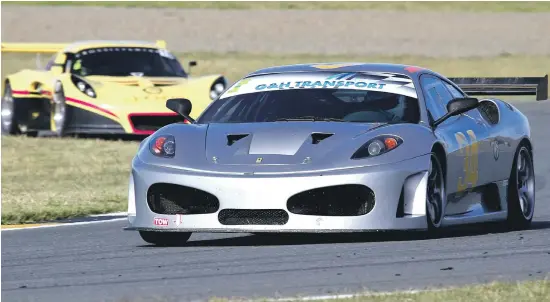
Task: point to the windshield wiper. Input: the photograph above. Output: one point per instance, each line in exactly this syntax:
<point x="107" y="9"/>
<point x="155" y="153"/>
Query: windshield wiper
<point x="310" y="119"/>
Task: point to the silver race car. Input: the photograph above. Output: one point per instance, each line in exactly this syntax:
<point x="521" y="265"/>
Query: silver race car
<point x="338" y="148"/>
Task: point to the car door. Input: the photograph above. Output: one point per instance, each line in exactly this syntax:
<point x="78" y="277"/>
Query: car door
<point x="486" y="156"/>
<point x="463" y="136"/>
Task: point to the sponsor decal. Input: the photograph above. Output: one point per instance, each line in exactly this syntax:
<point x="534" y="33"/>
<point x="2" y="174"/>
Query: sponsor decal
<point x="179" y="219"/>
<point x="371" y="81"/>
<point x="162" y="52"/>
<point x="160" y="221"/>
<point x="238" y="85"/>
<point x="333" y="81"/>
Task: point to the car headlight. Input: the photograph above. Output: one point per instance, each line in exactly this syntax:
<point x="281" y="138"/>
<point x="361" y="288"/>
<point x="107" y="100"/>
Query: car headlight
<point x="83" y="86"/>
<point x="217" y="88"/>
<point x="377" y="146"/>
<point x="163" y="146"/>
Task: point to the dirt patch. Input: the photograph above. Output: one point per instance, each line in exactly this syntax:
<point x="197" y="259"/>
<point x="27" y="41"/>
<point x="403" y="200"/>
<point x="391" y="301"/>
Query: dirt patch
<point x="270" y="31"/>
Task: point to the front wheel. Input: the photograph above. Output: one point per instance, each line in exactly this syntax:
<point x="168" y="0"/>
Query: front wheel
<point x="9" y="121"/>
<point x="165" y="238"/>
<point x="435" y="195"/>
<point x="521" y="190"/>
<point x="59" y="114"/>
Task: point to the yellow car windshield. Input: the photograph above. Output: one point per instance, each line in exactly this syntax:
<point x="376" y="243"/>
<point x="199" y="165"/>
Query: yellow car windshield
<point x="126" y="61"/>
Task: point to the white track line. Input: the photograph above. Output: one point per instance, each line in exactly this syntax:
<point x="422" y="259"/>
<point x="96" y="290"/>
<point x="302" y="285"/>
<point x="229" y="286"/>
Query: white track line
<point x="109" y="214"/>
<point x="357" y="295"/>
<point x="65" y="224"/>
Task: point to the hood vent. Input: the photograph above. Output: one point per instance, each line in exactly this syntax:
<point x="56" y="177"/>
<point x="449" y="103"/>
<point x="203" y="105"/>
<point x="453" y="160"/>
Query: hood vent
<point x="232" y="138"/>
<point x="318" y="137"/>
<point x="164" y="84"/>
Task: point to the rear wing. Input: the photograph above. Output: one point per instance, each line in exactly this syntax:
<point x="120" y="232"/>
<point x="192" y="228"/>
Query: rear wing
<point x="48" y="47"/>
<point x="51" y="48"/>
<point x="537" y="86"/>
<point x="33" y="47"/>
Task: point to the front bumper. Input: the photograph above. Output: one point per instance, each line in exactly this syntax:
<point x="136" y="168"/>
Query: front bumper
<point x="399" y="190"/>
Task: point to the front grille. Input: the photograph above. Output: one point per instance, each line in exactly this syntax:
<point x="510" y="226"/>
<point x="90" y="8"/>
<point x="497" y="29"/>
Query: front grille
<point x="248" y="217"/>
<point x="153" y="122"/>
<point x="171" y="199"/>
<point x="342" y="200"/>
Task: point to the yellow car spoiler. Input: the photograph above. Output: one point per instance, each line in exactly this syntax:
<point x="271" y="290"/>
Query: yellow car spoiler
<point x="47" y="47"/>
<point x="33" y="47"/>
<point x="39" y="48"/>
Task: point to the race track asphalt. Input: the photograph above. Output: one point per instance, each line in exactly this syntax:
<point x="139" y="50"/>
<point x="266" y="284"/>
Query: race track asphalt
<point x="100" y="262"/>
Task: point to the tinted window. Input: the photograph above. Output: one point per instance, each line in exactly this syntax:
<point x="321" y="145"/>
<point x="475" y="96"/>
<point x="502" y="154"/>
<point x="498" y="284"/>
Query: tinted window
<point x="348" y="105"/>
<point x="454" y="92"/>
<point x="436" y="96"/>
<point x="126" y="61"/>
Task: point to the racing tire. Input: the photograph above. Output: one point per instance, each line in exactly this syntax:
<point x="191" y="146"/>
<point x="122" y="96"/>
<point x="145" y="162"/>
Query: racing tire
<point x="10" y="125"/>
<point x="521" y="190"/>
<point x="59" y="111"/>
<point x="435" y="196"/>
<point x="165" y="238"/>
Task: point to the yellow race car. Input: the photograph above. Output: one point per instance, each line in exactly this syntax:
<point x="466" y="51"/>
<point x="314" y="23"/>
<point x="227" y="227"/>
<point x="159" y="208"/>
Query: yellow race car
<point x="102" y="87"/>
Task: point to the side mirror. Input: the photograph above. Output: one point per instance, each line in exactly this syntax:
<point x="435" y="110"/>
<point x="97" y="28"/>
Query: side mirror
<point x="458" y="106"/>
<point x="192" y="63"/>
<point x="182" y="107"/>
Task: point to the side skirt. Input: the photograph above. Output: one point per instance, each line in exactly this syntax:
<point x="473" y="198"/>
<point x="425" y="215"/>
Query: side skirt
<point x="485" y="203"/>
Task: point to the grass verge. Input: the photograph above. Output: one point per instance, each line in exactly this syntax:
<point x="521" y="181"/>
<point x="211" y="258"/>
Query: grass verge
<point x="526" y="291"/>
<point x="477" y="6"/>
<point x="503" y="292"/>
<point x="48" y="178"/>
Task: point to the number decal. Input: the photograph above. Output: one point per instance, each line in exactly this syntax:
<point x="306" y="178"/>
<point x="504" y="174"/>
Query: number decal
<point x="471" y="153"/>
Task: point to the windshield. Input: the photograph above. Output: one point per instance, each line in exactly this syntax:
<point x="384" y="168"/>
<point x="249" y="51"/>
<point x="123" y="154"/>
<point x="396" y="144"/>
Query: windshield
<point x="126" y="61"/>
<point x="268" y="99"/>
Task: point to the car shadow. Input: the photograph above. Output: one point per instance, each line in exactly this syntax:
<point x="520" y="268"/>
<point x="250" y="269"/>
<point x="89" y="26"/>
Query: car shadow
<point x="282" y="239"/>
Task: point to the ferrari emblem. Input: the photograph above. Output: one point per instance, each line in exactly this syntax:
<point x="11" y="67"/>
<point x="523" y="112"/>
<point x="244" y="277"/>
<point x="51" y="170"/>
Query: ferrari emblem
<point x="259" y="160"/>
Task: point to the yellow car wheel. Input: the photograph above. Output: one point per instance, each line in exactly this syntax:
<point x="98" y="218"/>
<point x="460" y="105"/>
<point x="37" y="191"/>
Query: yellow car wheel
<point x="59" y="111"/>
<point x="9" y="120"/>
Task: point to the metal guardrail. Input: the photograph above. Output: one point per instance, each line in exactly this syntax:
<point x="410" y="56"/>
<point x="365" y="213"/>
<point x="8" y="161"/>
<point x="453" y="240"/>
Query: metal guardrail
<point x="537" y="86"/>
